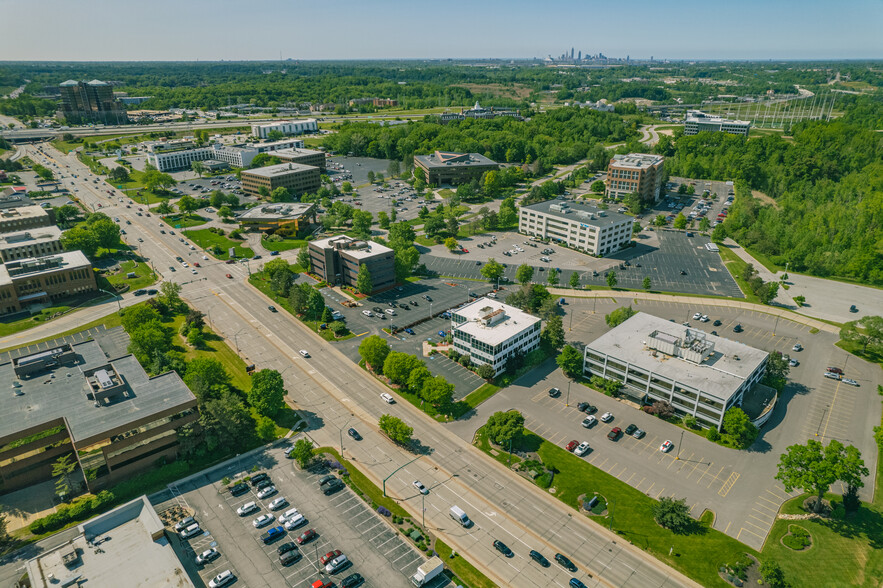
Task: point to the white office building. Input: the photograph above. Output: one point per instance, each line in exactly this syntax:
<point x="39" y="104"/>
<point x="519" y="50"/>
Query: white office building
<point x="578" y="226"/>
<point x="697" y="373"/>
<point x="491" y="332"/>
<point x="288" y="127"/>
<point x="236" y="155"/>
<point x="697" y="121"/>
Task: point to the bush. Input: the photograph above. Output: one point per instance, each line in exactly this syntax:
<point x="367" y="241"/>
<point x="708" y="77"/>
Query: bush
<point x="713" y="434"/>
<point x="544" y="480"/>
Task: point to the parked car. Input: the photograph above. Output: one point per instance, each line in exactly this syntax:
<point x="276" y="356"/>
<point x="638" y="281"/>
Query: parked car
<point x="614" y="433"/>
<point x="221" y="579"/>
<point x="267" y="492"/>
<point x="797" y="347"/>
<point x="832" y="375"/>
<point x="554" y="392"/>
<point x="273" y="534"/>
<point x="638" y="433"/>
<point x="850" y="382"/>
<point x="207" y="556"/>
<point x="835" y="370"/>
<point x="190" y="531"/>
<point x="239" y="489"/>
<point x="589" y="421"/>
<point x="329" y="556"/>
<point x="631" y="429"/>
<point x="184" y="523"/>
<point x="738" y="329"/>
<point x="247" y="508"/>
<point x="572" y="445"/>
<point x="278" y="503"/>
<point x="338" y="563"/>
<point x="352" y="581"/>
<point x="666" y="446"/>
<point x="582" y="449"/>
<point x="607" y="417"/>
<point x="306" y="536"/>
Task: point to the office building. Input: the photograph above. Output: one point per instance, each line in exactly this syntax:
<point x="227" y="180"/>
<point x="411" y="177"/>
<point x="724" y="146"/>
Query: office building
<point x="22" y="218"/>
<point x="13" y="197"/>
<point x="478" y="112"/>
<point x="44" y="280"/>
<point x="269" y="217"/>
<point x="288" y="127"/>
<point x="166" y="146"/>
<point x="697" y="121"/>
<point x="176" y="156"/>
<point x="31" y="243"/>
<point x="491" y="332"/>
<point x="697" y="373"/>
<point x="298" y="179"/>
<point x="639" y="173"/>
<point x="126" y="546"/>
<point x="384" y="102"/>
<point x="303" y="157"/>
<point x="338" y="260"/>
<point x="578" y="226"/>
<point x="84" y="400"/>
<point x="91" y="102"/>
<point x="444" y="167"/>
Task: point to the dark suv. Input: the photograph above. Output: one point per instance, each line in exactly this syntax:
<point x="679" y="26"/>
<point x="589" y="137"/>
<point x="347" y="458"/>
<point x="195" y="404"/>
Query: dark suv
<point x="332" y="487"/>
<point x="564" y="562"/>
<point x="503" y="548"/>
<point x="238" y="489"/>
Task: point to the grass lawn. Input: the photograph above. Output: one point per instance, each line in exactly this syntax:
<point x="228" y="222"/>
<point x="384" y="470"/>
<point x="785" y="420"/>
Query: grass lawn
<point x="426" y="242"/>
<point x="285" y="245"/>
<point x="479" y="395"/>
<point x="145" y="276"/>
<point x="445" y="193"/>
<point x="175" y="221"/>
<point x="735" y="265"/>
<point x="109" y="321"/>
<point x="10" y="327"/>
<point x="697" y="555"/>
<point x="214" y="348"/>
<point x="360" y="481"/>
<point x="465" y="571"/>
<point x="206" y="239"/>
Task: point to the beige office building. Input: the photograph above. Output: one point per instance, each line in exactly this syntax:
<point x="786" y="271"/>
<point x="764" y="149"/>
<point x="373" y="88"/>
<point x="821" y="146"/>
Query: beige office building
<point x="297" y="178"/>
<point x="13" y="220"/>
<point x="639" y="173"/>
<point x="44" y="280"/>
<point x="303" y="157"/>
<point x="31" y="243"/>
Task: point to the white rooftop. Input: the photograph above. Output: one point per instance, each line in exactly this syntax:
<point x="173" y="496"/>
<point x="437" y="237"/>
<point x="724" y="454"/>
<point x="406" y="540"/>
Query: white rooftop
<point x="29" y="236"/>
<point x="636" y="160"/>
<point x="355" y="248"/>
<point x="280" y="169"/>
<point x="699" y="116"/>
<point x="491" y="322"/>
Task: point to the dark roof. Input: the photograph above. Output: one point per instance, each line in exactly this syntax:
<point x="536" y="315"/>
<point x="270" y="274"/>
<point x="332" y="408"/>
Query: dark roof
<point x="443" y="159"/>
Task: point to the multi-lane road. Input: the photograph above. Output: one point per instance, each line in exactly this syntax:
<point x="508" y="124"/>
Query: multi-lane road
<point x="333" y="393"/>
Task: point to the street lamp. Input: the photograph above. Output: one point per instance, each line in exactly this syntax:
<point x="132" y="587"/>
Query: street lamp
<point x="681" y="442"/>
<point x="396" y="470"/>
<point x="341" y="433"/>
<point x="567" y="403"/>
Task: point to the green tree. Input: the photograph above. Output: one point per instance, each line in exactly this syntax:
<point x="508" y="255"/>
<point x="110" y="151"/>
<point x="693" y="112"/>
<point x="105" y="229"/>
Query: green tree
<point x="503" y="427"/>
<point x="508" y="216"/>
<point x="188" y="204"/>
<point x="303" y="258"/>
<point x="362" y="223"/>
<point x="374" y="350"/>
<point x="155" y="180"/>
<point x="673" y="514"/>
<point x="738" y="428"/>
<point x="346" y="187"/>
<point x="553" y="277"/>
<point x="552" y="336"/>
<point x="148" y="340"/>
<point x="107" y="233"/>
<point x="206" y="378"/>
<point x="265" y="428"/>
<point x="486" y="371"/>
<point x="619" y="316"/>
<point x="777" y="369"/>
<point x="574" y="280"/>
<point x="165" y="208"/>
<point x="437" y="391"/>
<point x="137" y="315"/>
<point x="719" y="233"/>
<point x="169" y="296"/>
<point x="814" y="467"/>
<point x="396" y="429"/>
<point x="772" y="574"/>
<point x="66" y="214"/>
<point x="63" y="470"/>
<point x="393" y="169"/>
<point x="267" y="394"/>
<point x="280" y="194"/>
<point x="634" y="203"/>
<point x="524" y="274"/>
<point x="800" y="300"/>
<point x="680" y="221"/>
<point x="80" y="238"/>
<point x="611" y="279"/>
<point x="363" y="280"/>
<point x="398" y="366"/>
<point x="597" y="187"/>
<point x="660" y="220"/>
<point x="570" y="360"/>
<point x="370" y="176"/>
<point x="434" y="225"/>
<point x="648" y="283"/>
<point x="866" y="331"/>
<point x="451" y="244"/>
<point x="119" y="174"/>
<point x="226" y="424"/>
<point x="303" y="452"/>
<point x="492" y="270"/>
<point x="383" y="219"/>
<point x="315" y="305"/>
<point x="198" y="167"/>
<point x="225" y="212"/>
<point x="195" y="337"/>
<point x="704" y="224"/>
<point x="417" y="378"/>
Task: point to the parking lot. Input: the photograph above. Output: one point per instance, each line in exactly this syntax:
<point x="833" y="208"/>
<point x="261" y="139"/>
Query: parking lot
<point x="342" y="521"/>
<point x="672" y="261"/>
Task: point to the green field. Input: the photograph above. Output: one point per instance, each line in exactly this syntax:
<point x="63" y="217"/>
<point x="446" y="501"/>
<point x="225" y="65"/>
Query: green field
<point x="735" y="265"/>
<point x="206" y="239"/>
<point x="176" y="222"/>
<point x="285" y="245"/>
<point x="215" y="348"/>
<point x="145" y="276"/>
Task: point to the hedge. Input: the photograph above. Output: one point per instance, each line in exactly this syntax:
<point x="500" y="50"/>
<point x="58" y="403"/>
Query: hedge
<point x="78" y="510"/>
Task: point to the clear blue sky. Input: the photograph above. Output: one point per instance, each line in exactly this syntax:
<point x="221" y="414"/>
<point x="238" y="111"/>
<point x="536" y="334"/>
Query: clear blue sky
<point x="116" y="30"/>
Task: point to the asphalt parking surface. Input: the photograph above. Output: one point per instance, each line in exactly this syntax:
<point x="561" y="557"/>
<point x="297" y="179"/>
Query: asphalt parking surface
<point x="342" y="521"/>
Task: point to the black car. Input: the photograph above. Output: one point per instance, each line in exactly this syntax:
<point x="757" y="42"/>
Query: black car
<point x="289" y="557"/>
<point x="140" y="292"/>
<point x="286" y="547"/>
<point x="151" y="292"/>
<point x="473" y="295"/>
<point x="326" y="479"/>
<point x="554" y="392"/>
<point x="717" y="323"/>
<point x="271" y="308"/>
<point x="589" y="409"/>
<point x="427" y="298"/>
<point x="377" y="309"/>
<point x="238" y="489"/>
<point x="264" y="484"/>
<point x="714" y="333"/>
<point x="414" y="303"/>
<point x="582" y="406"/>
<point x="565" y="563"/>
<point x="631" y="429"/>
<point x="538" y="557"/>
<point x="405" y="307"/>
<point x="258" y="478"/>
<point x="503" y="548"/>
<point x="738" y="329"/>
<point x="392" y="304"/>
<point x="354" y="434"/>
<point x="352" y="581"/>
<point x="256" y="257"/>
<point x="332" y="487"/>
<point x="683" y="272"/>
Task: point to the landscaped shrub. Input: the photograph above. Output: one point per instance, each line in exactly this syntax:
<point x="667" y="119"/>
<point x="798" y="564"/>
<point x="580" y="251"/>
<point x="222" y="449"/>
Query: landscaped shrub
<point x="383" y="511"/>
<point x="544" y="480"/>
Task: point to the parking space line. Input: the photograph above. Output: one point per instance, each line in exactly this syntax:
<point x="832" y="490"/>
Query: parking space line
<point x="739" y="535"/>
<point x="728" y="485"/>
<point x="766" y="522"/>
<point x="715" y="477"/>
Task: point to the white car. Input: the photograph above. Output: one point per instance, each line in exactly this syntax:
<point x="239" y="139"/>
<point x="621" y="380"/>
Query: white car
<point x="248" y="507"/>
<point x="589" y="421"/>
<point x="420" y="487"/>
<point x="390" y="312"/>
<point x="387" y="398"/>
<point x="582" y="449"/>
<point x="190" y="531"/>
<point x="607" y="417"/>
<point x="295" y="522"/>
<point x="263" y="520"/>
<point x="666" y="446"/>
<point x="221" y="579"/>
<point x="703" y="318"/>
<point x="336" y="564"/>
<point x="850" y="382"/>
<point x="697" y="316"/>
<point x="797" y="347"/>
<point x="207" y="556"/>
<point x="267" y="492"/>
<point x="289" y="514"/>
<point x="205" y="257"/>
<point x="367" y="313"/>
<point x="304" y="352"/>
<point x="278" y="503"/>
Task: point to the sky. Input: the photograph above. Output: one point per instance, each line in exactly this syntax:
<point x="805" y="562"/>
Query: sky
<point x="211" y="30"/>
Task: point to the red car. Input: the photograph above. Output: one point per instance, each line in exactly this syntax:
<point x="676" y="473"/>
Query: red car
<point x="306" y="537"/>
<point x="835" y="370"/>
<point x="614" y="433"/>
<point x="321" y="584"/>
<point x="229" y="261"/>
<point x="329" y="556"/>
<point x="196" y="264"/>
<point x="465" y="250"/>
<point x="229" y="276"/>
<point x="571" y="446"/>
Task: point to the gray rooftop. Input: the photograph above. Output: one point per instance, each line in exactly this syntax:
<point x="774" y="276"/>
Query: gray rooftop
<point x="636" y="160"/>
<point x="35" y="266"/>
<point x="61" y="392"/>
<point x="281" y="169"/>
<point x="296" y="152"/>
<point x="29" y="237"/>
<point x="280" y="211"/>
<point x="356" y="248"/>
<point x="579" y="213"/>
<point x="123" y="547"/>
<point x="442" y="159"/>
<point x="720" y="375"/>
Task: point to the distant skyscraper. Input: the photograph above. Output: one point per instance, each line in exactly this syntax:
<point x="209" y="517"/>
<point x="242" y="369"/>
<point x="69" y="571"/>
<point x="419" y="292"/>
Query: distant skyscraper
<point x="571" y="52"/>
<point x="580" y="56"/>
<point x="91" y="101"/>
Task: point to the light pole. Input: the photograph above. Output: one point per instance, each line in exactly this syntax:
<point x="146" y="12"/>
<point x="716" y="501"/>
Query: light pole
<point x="567" y="403"/>
<point x="423" y="510"/>
<point x="341" y="433"/>
<point x="681" y="442"/>
<point x="396" y="470"/>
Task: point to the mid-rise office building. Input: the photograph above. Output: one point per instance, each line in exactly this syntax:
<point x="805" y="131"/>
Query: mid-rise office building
<point x="578" y="226"/>
<point x="444" y="167"/>
<point x="288" y="127"/>
<point x="697" y="373"/>
<point x="21" y="218"/>
<point x="491" y="332"/>
<point x="640" y="173"/>
<point x="31" y="243"/>
<point x="298" y="179"/>
<point x="338" y="260"/>
<point x="83" y="400"/>
<point x="479" y="112"/>
<point x="91" y="102"/>
<point x="175" y="157"/>
<point x="269" y="217"/>
<point x="697" y="121"/>
<point x="303" y="157"/>
<point x="44" y="280"/>
<point x="14" y="198"/>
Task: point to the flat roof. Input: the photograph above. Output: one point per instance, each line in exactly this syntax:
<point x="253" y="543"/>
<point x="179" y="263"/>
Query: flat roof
<point x="368" y="249"/>
<point x="29" y="236"/>
<point x="513" y="322"/>
<point x="127" y="541"/>
<point x="285" y="122"/>
<point x="698" y="116"/>
<point x="60" y="391"/>
<point x="283" y="210"/>
<point x="720" y="375"/>
<point x="281" y="169"/>
<point x="579" y="213"/>
<point x="42" y="265"/>
<point x="297" y="152"/>
<point x="636" y="160"/>
<point x="445" y="159"/>
<point x="22" y="212"/>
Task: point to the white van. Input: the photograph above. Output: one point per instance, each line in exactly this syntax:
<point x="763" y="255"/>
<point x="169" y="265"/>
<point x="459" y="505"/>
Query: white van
<point x="459" y="515"/>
